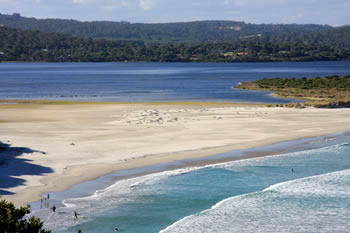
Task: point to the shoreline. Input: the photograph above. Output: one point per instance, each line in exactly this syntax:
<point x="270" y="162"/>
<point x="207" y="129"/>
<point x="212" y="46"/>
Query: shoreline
<point x="201" y="131"/>
<point x="41" y="102"/>
<point x="185" y="61"/>
<point x="88" y="188"/>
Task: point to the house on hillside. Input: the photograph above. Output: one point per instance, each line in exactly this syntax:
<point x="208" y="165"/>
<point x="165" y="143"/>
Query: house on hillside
<point x="228" y="54"/>
<point x="284" y="52"/>
<point x="242" y="53"/>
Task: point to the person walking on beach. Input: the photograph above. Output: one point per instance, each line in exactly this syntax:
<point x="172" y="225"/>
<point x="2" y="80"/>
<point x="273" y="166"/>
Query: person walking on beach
<point x="75" y="215"/>
<point x="48" y="200"/>
<point x="54" y="209"/>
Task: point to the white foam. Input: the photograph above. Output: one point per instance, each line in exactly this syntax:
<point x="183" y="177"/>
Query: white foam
<point x="120" y="192"/>
<point x="331" y="184"/>
<point x="312" y="204"/>
<point x="127" y="190"/>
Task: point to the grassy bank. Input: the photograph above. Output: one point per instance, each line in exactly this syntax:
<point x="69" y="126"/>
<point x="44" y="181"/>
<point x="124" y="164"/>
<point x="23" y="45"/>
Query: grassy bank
<point x="330" y="91"/>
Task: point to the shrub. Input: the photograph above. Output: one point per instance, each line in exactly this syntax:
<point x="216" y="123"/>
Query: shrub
<point x="12" y="220"/>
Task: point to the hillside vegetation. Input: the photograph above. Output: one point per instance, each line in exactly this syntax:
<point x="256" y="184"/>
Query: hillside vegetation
<point x="161" y="32"/>
<point x="19" y="45"/>
<point x="330" y="91"/>
<point x="335" y="38"/>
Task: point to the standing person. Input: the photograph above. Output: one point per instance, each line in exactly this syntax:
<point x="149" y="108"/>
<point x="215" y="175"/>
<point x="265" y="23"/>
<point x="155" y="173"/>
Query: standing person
<point x="54" y="209"/>
<point x="41" y="203"/>
<point x="48" y="200"/>
<point x="75" y="215"/>
<point x="292" y="171"/>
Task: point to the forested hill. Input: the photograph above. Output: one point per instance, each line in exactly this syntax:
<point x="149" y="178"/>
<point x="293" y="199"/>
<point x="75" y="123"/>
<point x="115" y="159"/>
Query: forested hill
<point x="336" y="38"/>
<point x="19" y="45"/>
<point x="162" y="32"/>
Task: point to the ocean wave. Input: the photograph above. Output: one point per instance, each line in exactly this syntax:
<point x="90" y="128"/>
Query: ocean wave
<point x="311" y="204"/>
<point x="128" y="190"/>
<point x="121" y="192"/>
<point x="334" y="149"/>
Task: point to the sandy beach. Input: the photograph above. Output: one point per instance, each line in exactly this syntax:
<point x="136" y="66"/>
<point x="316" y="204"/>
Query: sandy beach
<point x="49" y="147"/>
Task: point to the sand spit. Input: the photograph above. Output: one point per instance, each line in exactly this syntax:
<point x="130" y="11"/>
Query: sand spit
<point x="51" y="147"/>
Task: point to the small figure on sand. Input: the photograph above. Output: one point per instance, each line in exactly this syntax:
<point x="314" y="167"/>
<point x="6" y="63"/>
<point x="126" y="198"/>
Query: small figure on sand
<point x="47" y="200"/>
<point x="75" y="214"/>
<point x="46" y="203"/>
<point x="54" y="209"/>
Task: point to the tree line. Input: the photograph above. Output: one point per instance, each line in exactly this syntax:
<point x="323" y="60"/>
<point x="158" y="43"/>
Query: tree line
<point x="35" y="46"/>
<point x="199" y="31"/>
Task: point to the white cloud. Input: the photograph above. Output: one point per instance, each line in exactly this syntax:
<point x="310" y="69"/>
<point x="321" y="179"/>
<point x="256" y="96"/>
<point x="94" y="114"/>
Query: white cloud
<point x="4" y="1"/>
<point x="256" y="3"/>
<point x="107" y="5"/>
<point x="18" y="2"/>
<point x="148" y="4"/>
<point x="82" y="2"/>
<point x="124" y="3"/>
<point x="115" y="6"/>
<point x="333" y="12"/>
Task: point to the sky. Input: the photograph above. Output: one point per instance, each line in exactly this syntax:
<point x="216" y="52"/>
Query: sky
<point x="332" y="12"/>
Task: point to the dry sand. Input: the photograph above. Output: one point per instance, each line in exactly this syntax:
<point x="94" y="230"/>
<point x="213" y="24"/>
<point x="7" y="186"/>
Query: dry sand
<point x="51" y="147"/>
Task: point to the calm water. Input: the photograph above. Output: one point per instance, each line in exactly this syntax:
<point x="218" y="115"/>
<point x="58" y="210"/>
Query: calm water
<point x="150" y="81"/>
<point x="255" y="195"/>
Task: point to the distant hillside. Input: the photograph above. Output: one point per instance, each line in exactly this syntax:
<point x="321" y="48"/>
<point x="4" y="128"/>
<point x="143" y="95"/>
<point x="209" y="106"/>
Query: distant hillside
<point x="336" y="38"/>
<point x="20" y="45"/>
<point x="163" y="32"/>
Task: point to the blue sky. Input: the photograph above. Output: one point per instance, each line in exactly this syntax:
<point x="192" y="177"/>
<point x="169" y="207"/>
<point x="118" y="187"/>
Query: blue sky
<point x="333" y="12"/>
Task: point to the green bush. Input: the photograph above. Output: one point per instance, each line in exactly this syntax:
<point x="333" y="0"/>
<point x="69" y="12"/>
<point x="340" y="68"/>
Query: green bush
<point x="306" y="83"/>
<point x="12" y="220"/>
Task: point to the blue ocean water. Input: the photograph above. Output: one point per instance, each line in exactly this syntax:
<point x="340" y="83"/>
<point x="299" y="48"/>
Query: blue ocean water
<point x="252" y="195"/>
<point x="151" y="81"/>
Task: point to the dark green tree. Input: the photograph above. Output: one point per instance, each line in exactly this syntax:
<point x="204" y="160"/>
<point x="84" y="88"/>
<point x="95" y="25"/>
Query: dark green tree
<point x="12" y="220"/>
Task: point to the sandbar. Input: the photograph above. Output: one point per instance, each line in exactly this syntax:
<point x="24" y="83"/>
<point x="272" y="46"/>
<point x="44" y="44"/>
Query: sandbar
<point x="49" y="147"/>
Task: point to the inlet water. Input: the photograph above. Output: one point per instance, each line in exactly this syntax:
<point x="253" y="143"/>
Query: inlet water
<point x="140" y="82"/>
